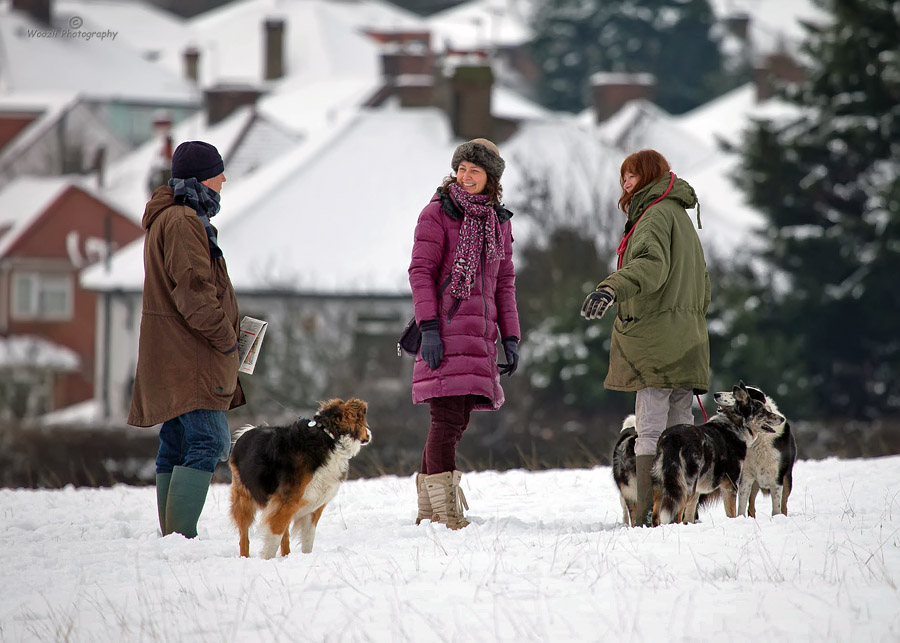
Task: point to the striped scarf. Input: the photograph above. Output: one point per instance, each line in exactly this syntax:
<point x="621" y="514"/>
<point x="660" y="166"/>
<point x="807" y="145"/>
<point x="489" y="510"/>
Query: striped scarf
<point x="204" y="201"/>
<point x="480" y="230"/>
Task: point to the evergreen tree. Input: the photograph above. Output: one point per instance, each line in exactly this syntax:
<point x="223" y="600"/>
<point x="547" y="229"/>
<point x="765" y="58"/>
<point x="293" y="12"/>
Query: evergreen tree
<point x="671" y="39"/>
<point x="828" y="182"/>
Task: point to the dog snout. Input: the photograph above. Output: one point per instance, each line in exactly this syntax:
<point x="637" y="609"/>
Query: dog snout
<point x="367" y="436"/>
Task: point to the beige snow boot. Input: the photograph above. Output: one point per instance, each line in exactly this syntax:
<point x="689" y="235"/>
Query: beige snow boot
<point x="425" y="512"/>
<point x="447" y="499"/>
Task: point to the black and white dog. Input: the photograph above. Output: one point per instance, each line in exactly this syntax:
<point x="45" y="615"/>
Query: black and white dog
<point x="701" y="459"/>
<point x="768" y="464"/>
<point x="770" y="460"/>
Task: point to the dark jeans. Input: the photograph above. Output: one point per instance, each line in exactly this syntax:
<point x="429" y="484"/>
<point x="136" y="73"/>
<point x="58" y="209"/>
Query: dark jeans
<point x="449" y="419"/>
<point x="197" y="439"/>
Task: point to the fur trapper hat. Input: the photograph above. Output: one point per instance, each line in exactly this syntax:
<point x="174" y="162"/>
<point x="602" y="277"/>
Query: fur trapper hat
<point x="481" y="152"/>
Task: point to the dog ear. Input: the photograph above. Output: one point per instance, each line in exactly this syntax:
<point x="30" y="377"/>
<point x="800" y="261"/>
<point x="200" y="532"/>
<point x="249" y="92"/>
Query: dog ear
<point x="331" y="411"/>
<point x="740" y="394"/>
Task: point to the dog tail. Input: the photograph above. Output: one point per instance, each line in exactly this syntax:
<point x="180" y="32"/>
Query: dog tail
<point x="629" y="422"/>
<point x="241" y="431"/>
<point x="669" y="484"/>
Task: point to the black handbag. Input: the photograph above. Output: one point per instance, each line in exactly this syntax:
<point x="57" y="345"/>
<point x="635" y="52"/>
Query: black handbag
<point x="411" y="337"/>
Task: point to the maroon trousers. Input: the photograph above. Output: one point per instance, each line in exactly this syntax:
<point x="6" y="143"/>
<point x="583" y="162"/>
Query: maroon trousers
<point x="449" y="419"/>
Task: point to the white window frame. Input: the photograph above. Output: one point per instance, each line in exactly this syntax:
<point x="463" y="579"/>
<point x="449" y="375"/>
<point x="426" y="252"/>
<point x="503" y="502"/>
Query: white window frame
<point x="29" y="292"/>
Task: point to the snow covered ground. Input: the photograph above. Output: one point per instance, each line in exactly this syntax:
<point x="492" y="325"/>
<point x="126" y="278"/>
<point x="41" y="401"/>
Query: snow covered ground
<point x="546" y="559"/>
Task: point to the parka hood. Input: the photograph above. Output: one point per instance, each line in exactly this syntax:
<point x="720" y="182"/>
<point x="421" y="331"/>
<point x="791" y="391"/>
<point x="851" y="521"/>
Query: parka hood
<point x="681" y="192"/>
<point x="163" y="197"/>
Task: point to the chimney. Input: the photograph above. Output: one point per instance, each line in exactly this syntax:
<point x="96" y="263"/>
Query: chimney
<point x="223" y="100"/>
<point x="407" y="67"/>
<point x="739" y="25"/>
<point x="470" y="101"/>
<point x="776" y="69"/>
<point x="192" y="64"/>
<point x="273" y="33"/>
<point x="610" y="91"/>
<point x="37" y="9"/>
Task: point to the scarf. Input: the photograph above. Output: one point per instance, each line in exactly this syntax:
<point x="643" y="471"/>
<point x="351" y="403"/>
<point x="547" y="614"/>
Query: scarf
<point x="480" y="230"/>
<point x="204" y="201"/>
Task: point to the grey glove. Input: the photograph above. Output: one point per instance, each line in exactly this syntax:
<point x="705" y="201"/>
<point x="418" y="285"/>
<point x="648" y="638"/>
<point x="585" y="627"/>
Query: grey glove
<point x="596" y="303"/>
<point x="432" y="349"/>
<point x="511" y="350"/>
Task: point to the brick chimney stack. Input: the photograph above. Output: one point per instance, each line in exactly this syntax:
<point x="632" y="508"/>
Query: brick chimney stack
<point x="610" y="91"/>
<point x="470" y="101"/>
<point x="273" y="34"/>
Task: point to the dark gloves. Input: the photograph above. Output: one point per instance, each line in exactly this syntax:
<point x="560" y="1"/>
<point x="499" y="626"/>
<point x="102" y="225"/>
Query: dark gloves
<point x="596" y="303"/>
<point x="511" y="349"/>
<point x="432" y="347"/>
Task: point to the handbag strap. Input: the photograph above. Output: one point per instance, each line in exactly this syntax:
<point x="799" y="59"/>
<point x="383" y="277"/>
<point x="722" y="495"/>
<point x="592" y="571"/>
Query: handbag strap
<point x="444" y="285"/>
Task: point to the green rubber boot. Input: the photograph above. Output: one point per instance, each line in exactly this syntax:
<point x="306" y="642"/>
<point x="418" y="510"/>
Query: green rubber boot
<point x="162" y="495"/>
<point x="187" y="495"/>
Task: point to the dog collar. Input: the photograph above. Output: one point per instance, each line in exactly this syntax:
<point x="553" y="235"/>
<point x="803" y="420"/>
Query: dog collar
<point x="315" y="424"/>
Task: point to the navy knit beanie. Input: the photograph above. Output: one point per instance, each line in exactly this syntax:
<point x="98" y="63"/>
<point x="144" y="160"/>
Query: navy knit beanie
<point x="196" y="159"/>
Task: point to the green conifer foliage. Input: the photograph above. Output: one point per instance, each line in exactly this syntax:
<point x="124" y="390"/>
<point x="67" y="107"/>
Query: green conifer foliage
<point x="828" y="181"/>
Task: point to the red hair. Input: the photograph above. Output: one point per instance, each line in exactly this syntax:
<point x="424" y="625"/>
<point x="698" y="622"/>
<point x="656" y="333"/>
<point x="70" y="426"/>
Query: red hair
<point x="649" y="166"/>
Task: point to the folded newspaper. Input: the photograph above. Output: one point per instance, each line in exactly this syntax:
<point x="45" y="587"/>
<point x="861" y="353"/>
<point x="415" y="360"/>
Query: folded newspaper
<point x="249" y="342"/>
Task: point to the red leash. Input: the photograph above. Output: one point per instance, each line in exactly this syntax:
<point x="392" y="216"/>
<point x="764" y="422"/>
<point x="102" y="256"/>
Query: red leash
<point x="705" y="416"/>
<point x="624" y="242"/>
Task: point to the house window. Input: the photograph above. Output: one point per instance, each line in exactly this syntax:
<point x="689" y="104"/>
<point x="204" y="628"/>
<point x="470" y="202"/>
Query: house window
<point x="42" y="296"/>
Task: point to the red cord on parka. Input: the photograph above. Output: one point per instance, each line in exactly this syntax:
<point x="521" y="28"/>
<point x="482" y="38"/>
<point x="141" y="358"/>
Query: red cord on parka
<point x="624" y="242"/>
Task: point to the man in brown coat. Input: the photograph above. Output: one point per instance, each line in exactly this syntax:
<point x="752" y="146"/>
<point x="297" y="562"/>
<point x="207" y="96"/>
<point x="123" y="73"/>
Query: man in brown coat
<point x="187" y="369"/>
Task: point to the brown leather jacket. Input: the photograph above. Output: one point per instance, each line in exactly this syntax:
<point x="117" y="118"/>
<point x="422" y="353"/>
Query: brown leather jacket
<point x="189" y="320"/>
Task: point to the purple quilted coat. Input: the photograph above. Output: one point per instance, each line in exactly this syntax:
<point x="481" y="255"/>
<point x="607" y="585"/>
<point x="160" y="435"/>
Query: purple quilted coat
<point x="468" y="327"/>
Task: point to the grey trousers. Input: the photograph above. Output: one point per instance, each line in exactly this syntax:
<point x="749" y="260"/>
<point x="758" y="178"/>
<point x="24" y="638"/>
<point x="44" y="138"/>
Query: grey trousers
<point x="656" y="409"/>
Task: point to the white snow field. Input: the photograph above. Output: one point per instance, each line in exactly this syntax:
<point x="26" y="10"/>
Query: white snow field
<point x="546" y="558"/>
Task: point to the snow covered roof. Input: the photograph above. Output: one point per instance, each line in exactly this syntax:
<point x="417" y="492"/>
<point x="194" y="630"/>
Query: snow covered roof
<point x="726" y="117"/>
<point x="482" y="24"/>
<point x="507" y="103"/>
<point x="334" y="215"/>
<point x="245" y="139"/>
<point x="141" y="25"/>
<point x="36" y="57"/>
<point x="775" y="25"/>
<point x="22" y="201"/>
<point x="50" y="105"/>
<point x="313" y="105"/>
<point x="26" y="198"/>
<point x="31" y="352"/>
<point x="323" y="40"/>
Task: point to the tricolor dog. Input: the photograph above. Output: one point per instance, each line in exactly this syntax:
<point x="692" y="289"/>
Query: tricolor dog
<point x="291" y="472"/>
<point x="701" y="459"/>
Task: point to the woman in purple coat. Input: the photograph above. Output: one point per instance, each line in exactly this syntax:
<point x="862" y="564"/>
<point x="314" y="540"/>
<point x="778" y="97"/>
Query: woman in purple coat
<point x="464" y="293"/>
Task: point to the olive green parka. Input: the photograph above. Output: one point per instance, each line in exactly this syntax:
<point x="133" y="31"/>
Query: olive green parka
<point x="662" y="293"/>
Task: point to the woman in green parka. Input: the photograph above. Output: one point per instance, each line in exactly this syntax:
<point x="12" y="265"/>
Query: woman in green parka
<point x="660" y="345"/>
